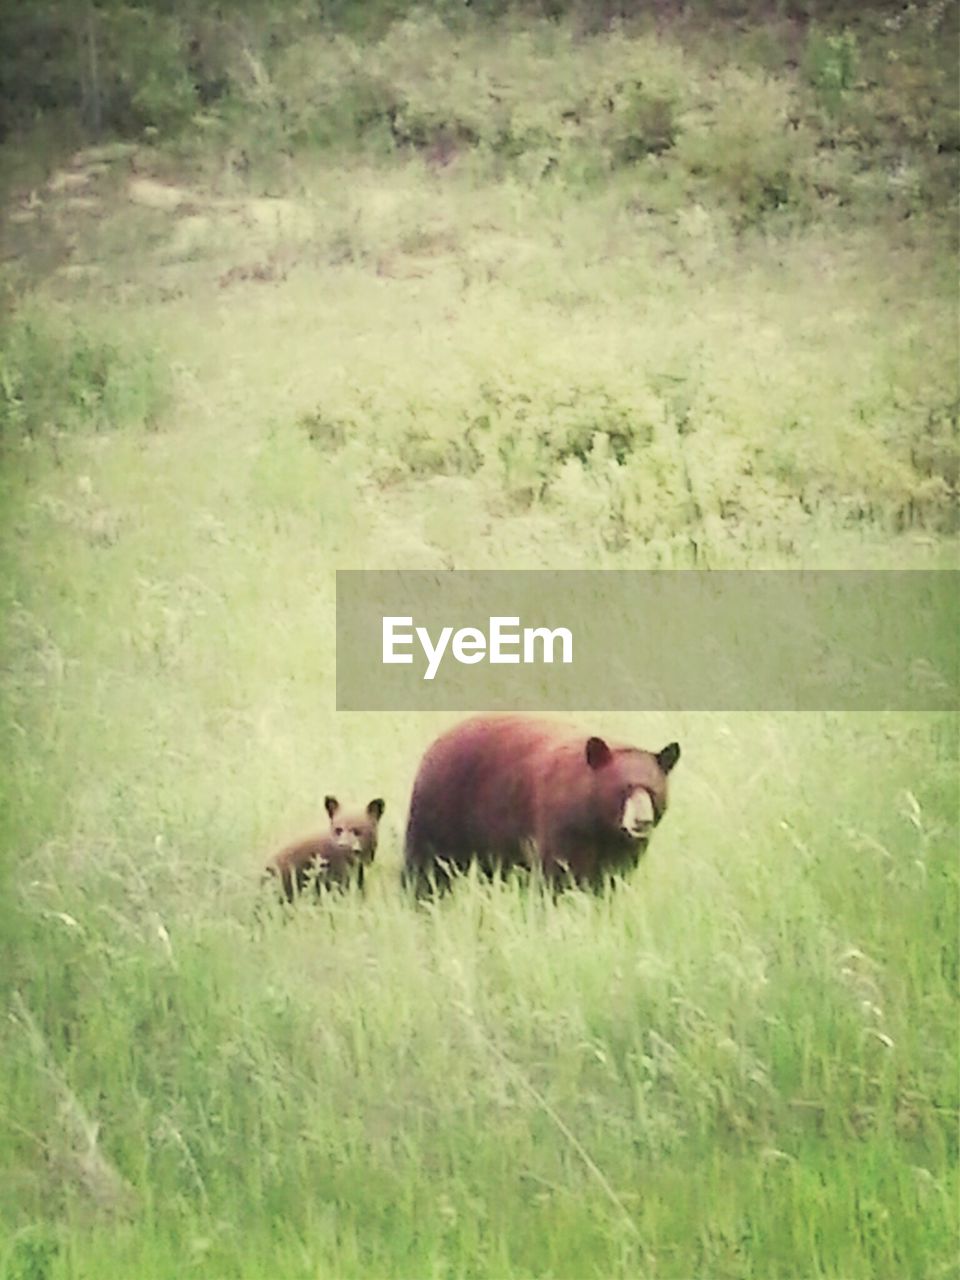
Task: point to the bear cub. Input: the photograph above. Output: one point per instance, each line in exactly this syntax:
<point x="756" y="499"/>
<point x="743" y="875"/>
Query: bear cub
<point x="332" y="859"/>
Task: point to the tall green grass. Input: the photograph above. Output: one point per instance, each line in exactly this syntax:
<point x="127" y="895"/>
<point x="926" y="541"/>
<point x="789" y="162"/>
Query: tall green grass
<point x="742" y="1063"/>
<point x="737" y="1064"/>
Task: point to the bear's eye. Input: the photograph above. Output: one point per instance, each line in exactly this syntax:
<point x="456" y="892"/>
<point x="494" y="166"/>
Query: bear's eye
<point x="338" y="831"/>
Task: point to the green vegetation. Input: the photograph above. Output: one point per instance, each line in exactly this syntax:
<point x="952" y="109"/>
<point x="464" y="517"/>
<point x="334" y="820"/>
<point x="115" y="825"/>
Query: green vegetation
<point x="469" y="287"/>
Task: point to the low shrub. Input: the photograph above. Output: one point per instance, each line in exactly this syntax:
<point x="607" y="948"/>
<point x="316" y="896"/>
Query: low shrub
<point x="60" y="376"/>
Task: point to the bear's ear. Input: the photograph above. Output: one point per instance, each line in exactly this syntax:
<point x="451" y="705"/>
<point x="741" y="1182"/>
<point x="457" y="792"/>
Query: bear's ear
<point x="331" y="804"/>
<point x="375" y="809"/>
<point x="598" y="753"/>
<point x="669" y="756"/>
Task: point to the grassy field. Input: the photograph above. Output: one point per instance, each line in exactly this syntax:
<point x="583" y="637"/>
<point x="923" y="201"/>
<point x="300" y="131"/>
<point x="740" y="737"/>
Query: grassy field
<point x="219" y="382"/>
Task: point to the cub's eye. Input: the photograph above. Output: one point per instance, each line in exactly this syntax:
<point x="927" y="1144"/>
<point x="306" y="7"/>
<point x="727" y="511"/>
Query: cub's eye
<point x="338" y="831"/>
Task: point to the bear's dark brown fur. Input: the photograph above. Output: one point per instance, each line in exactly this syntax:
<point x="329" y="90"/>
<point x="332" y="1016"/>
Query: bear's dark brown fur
<point x="510" y="790"/>
<point x="330" y="859"/>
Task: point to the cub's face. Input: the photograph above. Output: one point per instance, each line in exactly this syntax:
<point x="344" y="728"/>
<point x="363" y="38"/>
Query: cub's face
<point x="355" y="832"/>
<point x="631" y="788"/>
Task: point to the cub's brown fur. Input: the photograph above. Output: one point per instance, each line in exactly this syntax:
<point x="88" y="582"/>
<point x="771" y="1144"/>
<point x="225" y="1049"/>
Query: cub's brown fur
<point x="329" y="859"/>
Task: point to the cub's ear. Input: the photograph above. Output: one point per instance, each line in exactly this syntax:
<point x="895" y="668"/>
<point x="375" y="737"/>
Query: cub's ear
<point x="375" y="809"/>
<point x="598" y="753"/>
<point x="669" y="756"/>
<point x="331" y="804"/>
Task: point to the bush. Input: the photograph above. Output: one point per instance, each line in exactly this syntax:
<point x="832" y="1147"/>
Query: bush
<point x="631" y="463"/>
<point x="539" y="104"/>
<point x="749" y="148"/>
<point x="327" y="94"/>
<point x="121" y="67"/>
<point x="60" y="376"/>
<point x="830" y="64"/>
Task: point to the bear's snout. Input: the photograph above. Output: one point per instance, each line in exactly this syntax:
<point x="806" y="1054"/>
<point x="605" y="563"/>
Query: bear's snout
<point x="638" y="816"/>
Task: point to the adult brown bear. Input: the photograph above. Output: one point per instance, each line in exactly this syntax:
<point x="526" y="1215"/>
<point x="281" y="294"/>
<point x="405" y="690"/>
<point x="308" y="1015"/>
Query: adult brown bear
<point x="332" y="858"/>
<point x="510" y="790"/>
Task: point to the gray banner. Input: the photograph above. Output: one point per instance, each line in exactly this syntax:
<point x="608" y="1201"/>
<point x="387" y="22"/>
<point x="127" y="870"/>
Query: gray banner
<point x="671" y="640"/>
